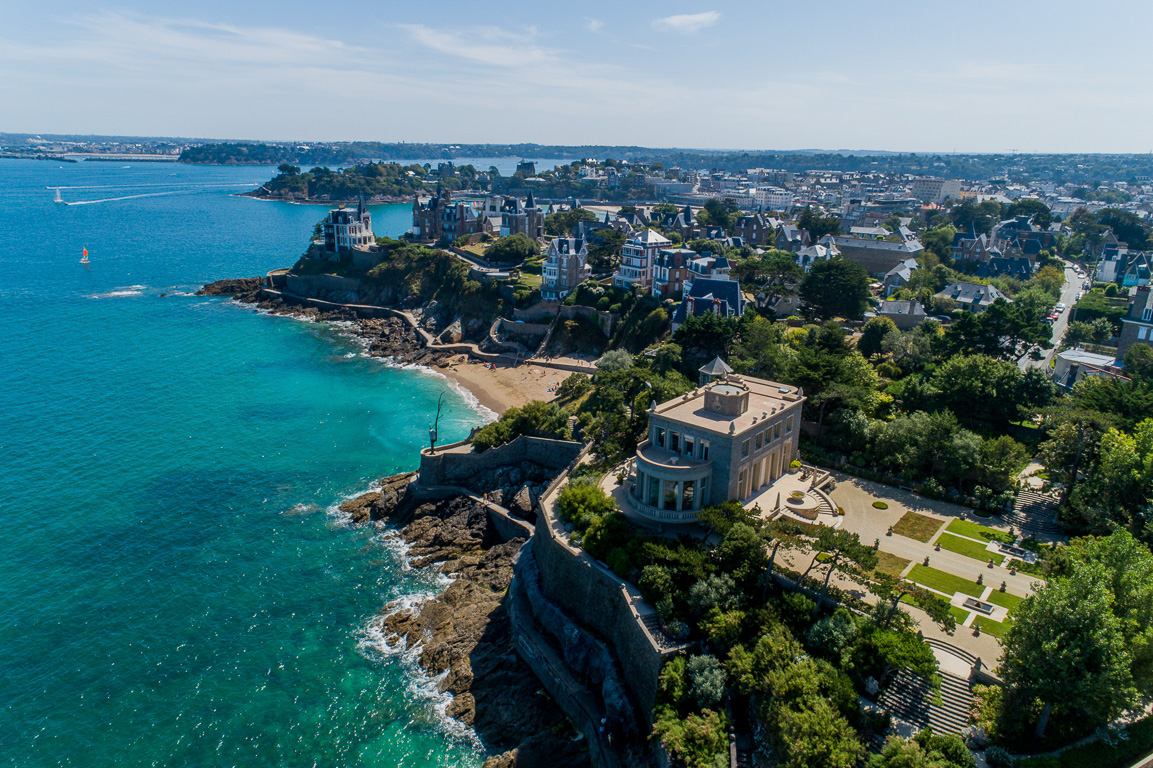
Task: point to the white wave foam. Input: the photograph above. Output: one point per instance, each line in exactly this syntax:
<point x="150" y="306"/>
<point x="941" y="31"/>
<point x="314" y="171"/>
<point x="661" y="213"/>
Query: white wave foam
<point x="297" y="510"/>
<point x="422" y="687"/>
<point x="470" y="400"/>
<point x="340" y="518"/>
<point x="122" y="292"/>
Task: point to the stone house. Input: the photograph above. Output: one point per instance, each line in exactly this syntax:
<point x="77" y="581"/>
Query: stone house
<point x="670" y="271"/>
<point x="521" y="218"/>
<point x="898" y="277"/>
<point x="877" y="256"/>
<point x="565" y="267"/>
<point x="728" y="439"/>
<point x="439" y="217"/>
<point x="755" y="230"/>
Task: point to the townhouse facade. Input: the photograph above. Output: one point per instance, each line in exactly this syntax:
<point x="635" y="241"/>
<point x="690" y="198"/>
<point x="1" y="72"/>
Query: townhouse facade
<point x="565" y="267"/>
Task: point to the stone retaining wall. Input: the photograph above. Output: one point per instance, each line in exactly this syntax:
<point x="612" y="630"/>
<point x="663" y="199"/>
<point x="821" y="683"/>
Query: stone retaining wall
<point x="550" y="309"/>
<point x="597" y="599"/>
<point x="305" y="285"/>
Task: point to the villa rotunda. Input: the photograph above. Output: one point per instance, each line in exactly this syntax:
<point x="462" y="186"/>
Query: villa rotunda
<point x="728" y="439"/>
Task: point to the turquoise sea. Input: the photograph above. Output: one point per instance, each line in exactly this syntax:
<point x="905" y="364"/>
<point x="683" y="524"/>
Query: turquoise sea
<point x="176" y="586"/>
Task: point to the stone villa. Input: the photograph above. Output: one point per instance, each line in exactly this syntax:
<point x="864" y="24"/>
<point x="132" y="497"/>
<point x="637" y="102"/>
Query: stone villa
<point x="346" y="229"/>
<point x="728" y="439"/>
<point x="565" y="267"/>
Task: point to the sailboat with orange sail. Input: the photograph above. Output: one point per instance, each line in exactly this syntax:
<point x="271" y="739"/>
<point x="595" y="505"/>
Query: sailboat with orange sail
<point x="84" y="258"/>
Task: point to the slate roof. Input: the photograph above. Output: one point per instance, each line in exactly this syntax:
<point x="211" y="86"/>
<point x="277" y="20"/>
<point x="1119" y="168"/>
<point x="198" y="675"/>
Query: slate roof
<point x="972" y="294"/>
<point x="707" y="292"/>
<point x="717" y="367"/>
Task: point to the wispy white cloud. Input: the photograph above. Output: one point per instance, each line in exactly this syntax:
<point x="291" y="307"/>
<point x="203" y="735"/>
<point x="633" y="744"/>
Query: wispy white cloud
<point x="687" y="22"/>
<point x="595" y="25"/>
<point x="484" y="45"/>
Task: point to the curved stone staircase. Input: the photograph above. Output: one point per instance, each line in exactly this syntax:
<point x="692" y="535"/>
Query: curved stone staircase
<point x="911" y="698"/>
<point x="1034" y="513"/>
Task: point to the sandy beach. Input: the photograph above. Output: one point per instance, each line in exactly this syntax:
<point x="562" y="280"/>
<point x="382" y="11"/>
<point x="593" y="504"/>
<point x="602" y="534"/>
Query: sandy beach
<point x="503" y="387"/>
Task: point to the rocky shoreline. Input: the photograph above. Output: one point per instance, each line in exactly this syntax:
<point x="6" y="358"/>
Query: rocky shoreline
<point x="463" y="635"/>
<point x="384" y="337"/>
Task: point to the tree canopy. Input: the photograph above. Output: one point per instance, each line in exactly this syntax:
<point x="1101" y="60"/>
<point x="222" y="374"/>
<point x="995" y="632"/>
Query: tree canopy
<point x="836" y="288"/>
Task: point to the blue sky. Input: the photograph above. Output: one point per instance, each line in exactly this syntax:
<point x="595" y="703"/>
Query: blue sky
<point x="912" y="76"/>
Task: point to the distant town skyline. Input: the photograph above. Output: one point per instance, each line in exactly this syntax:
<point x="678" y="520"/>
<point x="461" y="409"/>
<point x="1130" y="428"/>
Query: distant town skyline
<point x="891" y="76"/>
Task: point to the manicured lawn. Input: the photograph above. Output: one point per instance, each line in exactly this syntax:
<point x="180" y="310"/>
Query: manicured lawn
<point x="960" y="614"/>
<point x="890" y="564"/>
<point x="919" y="527"/>
<point x="968" y="548"/>
<point x="982" y="532"/>
<point x="943" y="582"/>
<point x="994" y="628"/>
<point x="1005" y="600"/>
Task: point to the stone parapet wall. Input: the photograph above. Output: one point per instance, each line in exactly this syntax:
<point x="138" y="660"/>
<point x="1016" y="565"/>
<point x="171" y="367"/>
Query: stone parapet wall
<point x="506" y="525"/>
<point x="451" y="465"/>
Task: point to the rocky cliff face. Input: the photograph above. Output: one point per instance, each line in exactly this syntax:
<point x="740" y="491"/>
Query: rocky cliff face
<point x="464" y="633"/>
<point x="386" y="337"/>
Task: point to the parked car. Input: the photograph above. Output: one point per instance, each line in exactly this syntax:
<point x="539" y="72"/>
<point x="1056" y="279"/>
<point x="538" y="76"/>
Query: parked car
<point x="1060" y="307"/>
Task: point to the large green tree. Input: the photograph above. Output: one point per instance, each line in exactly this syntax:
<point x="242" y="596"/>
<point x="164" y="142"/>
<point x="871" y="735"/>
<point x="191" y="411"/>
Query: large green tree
<point x="836" y="288"/>
<point x="512" y="249"/>
<point x="560" y="224"/>
<point x="1066" y="649"/>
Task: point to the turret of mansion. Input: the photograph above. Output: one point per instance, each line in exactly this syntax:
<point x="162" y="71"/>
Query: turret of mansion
<point x="728" y="439"/>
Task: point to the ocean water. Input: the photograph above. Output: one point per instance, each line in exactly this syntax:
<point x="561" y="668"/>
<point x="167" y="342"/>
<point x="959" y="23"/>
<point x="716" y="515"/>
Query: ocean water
<point x="176" y="586"/>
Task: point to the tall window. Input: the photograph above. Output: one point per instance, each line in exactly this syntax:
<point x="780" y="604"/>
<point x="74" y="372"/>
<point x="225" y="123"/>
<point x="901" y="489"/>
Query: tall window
<point x="789" y="424"/>
<point x="760" y="440"/>
<point x="674" y="442"/>
<point x="704" y="450"/>
<point x="777" y="431"/>
<point x="661" y="437"/>
<point x="688" y="446"/>
<point x="744" y="451"/>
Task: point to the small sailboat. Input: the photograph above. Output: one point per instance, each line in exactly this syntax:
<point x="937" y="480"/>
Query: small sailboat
<point x="84" y="258"/>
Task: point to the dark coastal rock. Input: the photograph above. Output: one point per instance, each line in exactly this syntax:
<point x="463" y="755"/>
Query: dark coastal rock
<point x="242" y="288"/>
<point x="464" y="633"/>
<point x="522" y="502"/>
<point x="359" y="510"/>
